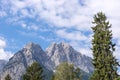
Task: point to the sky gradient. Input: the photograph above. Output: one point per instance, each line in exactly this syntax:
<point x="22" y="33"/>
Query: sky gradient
<point x="47" y="21"/>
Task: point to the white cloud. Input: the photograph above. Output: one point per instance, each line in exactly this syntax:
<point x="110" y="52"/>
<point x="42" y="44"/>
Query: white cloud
<point x="117" y="52"/>
<point x="23" y="25"/>
<point x="71" y="35"/>
<point x="29" y="26"/>
<point x="65" y="13"/>
<point x="2" y="43"/>
<point x="68" y="14"/>
<point x="2" y="13"/>
<point x="86" y="51"/>
<point x="34" y="27"/>
<point x="61" y="13"/>
<point x="30" y="34"/>
<point x="3" y="53"/>
<point x="119" y="72"/>
<point x="82" y="48"/>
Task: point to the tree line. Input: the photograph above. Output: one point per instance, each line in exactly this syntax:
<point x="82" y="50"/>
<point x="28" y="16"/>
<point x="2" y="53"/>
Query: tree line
<point x="105" y="64"/>
<point x="64" y="71"/>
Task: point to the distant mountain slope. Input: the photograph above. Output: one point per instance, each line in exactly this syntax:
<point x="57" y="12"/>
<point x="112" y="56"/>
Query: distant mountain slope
<point x="49" y="59"/>
<point x="2" y="64"/>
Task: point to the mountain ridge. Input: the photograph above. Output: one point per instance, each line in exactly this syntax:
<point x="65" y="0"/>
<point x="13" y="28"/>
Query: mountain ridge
<point x="49" y="59"/>
<point x="66" y="53"/>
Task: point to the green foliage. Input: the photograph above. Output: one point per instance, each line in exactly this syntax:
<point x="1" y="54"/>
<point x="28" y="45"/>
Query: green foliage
<point x="34" y="72"/>
<point x="104" y="62"/>
<point x="117" y="79"/>
<point x="67" y="71"/>
<point x="8" y="77"/>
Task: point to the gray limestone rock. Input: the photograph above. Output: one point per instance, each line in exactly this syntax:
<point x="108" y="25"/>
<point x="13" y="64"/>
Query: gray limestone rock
<point x="63" y="52"/>
<point x="22" y="59"/>
<point x="49" y="59"/>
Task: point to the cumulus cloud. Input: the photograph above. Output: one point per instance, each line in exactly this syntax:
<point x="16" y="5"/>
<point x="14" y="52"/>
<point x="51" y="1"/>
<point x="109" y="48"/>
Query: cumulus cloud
<point x="65" y="13"/>
<point x="86" y="51"/>
<point x="2" y="13"/>
<point x="60" y="13"/>
<point x="3" y="53"/>
<point x="30" y="26"/>
<point x="2" y="43"/>
<point x="71" y="35"/>
<point x="74" y="14"/>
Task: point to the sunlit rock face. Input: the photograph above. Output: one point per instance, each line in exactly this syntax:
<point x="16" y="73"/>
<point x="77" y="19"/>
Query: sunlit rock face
<point x="22" y="59"/>
<point x="49" y="59"/>
<point x="63" y="52"/>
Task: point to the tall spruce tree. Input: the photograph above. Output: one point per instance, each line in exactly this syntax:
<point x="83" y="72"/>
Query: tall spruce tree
<point x="7" y="77"/>
<point x="34" y="72"/>
<point x="104" y="62"/>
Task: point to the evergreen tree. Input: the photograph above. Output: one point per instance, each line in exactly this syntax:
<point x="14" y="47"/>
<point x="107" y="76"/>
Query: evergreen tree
<point x="34" y="72"/>
<point x="66" y="71"/>
<point x="8" y="77"/>
<point x="104" y="62"/>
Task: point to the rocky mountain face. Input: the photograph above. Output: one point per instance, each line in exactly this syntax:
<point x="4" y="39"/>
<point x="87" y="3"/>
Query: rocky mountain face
<point x="63" y="52"/>
<point x="2" y="64"/>
<point x="49" y="59"/>
<point x="22" y="59"/>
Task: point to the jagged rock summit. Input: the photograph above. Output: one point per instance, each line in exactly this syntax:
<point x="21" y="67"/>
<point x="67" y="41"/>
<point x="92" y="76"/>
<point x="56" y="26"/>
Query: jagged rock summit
<point x="63" y="52"/>
<point x="22" y="59"/>
<point x="49" y="59"/>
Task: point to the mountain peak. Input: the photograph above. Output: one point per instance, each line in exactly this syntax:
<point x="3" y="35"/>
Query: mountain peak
<point x="55" y="54"/>
<point x="58" y="47"/>
<point x="33" y="49"/>
<point x="64" y="44"/>
<point x="61" y="44"/>
<point x="31" y="45"/>
<point x="63" y="52"/>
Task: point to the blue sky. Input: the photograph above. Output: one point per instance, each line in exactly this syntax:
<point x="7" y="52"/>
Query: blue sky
<point x="47" y="21"/>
